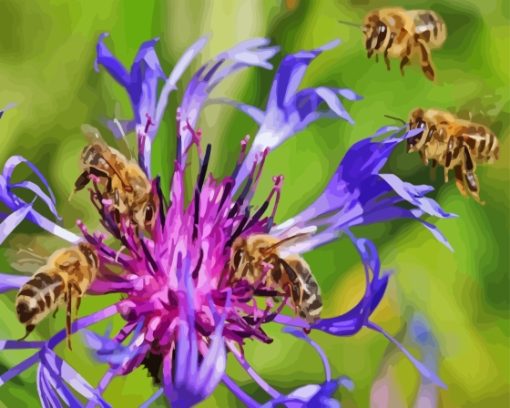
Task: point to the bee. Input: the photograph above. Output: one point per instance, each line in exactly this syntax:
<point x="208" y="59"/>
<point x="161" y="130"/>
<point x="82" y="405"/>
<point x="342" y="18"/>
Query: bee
<point x="454" y="144"/>
<point x="257" y="259"/>
<point x="399" y="33"/>
<point x="67" y="274"/>
<point x="125" y="183"/>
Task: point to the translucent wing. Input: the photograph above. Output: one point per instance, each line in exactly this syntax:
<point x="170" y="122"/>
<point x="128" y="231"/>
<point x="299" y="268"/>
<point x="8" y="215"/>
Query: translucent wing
<point x="24" y="260"/>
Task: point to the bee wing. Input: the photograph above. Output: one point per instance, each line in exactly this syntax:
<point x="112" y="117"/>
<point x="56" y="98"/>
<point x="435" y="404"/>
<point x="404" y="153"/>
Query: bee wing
<point x="92" y="134"/>
<point x="24" y="260"/>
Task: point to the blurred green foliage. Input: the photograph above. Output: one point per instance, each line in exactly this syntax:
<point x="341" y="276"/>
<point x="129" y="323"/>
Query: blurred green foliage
<point x="47" y="50"/>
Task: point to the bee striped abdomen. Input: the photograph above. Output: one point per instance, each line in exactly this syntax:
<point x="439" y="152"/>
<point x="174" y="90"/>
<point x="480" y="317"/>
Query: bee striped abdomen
<point x="310" y="300"/>
<point x="38" y="297"/>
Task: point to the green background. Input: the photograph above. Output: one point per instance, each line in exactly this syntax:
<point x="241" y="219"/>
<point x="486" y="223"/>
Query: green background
<point x="47" y="49"/>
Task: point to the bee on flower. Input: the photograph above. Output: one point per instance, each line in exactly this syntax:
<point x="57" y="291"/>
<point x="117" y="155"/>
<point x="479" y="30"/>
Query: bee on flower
<point x="194" y="277"/>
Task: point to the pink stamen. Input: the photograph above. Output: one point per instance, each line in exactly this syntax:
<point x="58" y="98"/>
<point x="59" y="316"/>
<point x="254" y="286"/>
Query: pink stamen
<point x="266" y="267"/>
<point x="95" y="179"/>
<point x="196" y="137"/>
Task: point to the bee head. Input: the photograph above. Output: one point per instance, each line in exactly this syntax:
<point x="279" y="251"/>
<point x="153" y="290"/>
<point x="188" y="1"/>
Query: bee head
<point x="416" y="121"/>
<point x="375" y="32"/>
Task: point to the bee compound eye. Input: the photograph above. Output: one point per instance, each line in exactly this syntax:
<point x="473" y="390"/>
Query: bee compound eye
<point x="149" y="213"/>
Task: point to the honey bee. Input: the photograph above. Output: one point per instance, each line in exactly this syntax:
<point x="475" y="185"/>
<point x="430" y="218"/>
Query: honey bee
<point x="257" y="259"/>
<point x="399" y="33"/>
<point x="126" y="184"/>
<point x="453" y="143"/>
<point x="67" y="274"/>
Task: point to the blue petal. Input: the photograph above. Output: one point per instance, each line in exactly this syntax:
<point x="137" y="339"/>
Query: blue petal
<point x="424" y="371"/>
<point x="255" y="113"/>
<point x="11" y="164"/>
<point x="410" y="193"/>
<point x="6" y="108"/>
<point x="352" y="321"/>
<point x="290" y="74"/>
<point x="28" y="185"/>
<point x="60" y="370"/>
<point x="289" y="111"/>
<point x="254" y="52"/>
<point x="312" y="395"/>
<point x="47" y="396"/>
<point x="171" y="83"/>
<point x="13" y="220"/>
<point x="11" y="282"/>
<point x="301" y="335"/>
<point x="358" y="194"/>
<point x="111" y="63"/>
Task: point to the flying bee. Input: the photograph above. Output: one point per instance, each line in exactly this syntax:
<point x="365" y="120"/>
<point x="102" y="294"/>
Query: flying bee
<point x="454" y="144"/>
<point x="67" y="274"/>
<point x="257" y="259"/>
<point x="399" y="33"/>
<point x="125" y="183"/>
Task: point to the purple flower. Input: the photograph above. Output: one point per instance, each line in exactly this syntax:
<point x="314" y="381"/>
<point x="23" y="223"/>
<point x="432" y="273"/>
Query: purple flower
<point x="182" y="312"/>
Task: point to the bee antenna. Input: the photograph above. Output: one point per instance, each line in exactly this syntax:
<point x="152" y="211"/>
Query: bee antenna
<point x="350" y="23"/>
<point x="397" y="119"/>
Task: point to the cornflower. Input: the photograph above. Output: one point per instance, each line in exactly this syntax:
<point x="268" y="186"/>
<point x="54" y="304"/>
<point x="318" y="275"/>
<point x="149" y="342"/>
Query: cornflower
<point x="182" y="314"/>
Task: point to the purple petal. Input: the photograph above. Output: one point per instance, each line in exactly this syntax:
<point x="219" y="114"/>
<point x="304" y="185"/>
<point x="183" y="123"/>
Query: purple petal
<point x="301" y="335"/>
<point x="154" y="397"/>
<point x="312" y="395"/>
<point x="246" y="54"/>
<point x="53" y="228"/>
<point x="255" y="113"/>
<point x="290" y="74"/>
<point x="44" y="389"/>
<point x="171" y="83"/>
<point x="12" y="221"/>
<point x="58" y="368"/>
<point x="110" y="351"/>
<point x="13" y="162"/>
<point x="242" y="396"/>
<point x="11" y="282"/>
<point x="110" y="62"/>
<point x="251" y="371"/>
<point x="56" y="388"/>
<point x="422" y="335"/>
<point x="20" y="344"/>
<point x="6" y="108"/>
<point x="424" y="371"/>
<point x="83" y="323"/>
<point x="410" y="193"/>
<point x="28" y="185"/>
<point x="214" y="364"/>
<point x="289" y="111"/>
<point x="19" y="368"/>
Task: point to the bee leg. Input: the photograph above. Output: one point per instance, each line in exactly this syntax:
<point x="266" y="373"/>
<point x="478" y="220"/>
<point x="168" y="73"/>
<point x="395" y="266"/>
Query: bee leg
<point x="377" y="58"/>
<point x="405" y="59"/>
<point x="29" y="329"/>
<point x="459" y="180"/>
<point x="424" y="158"/>
<point x="433" y="165"/>
<point x="80" y="183"/>
<point x="55" y="313"/>
<point x="470" y="176"/>
<point x="68" y="316"/>
<point x="426" y="65"/>
<point x="448" y="158"/>
<point x="386" y="58"/>
<point x="78" y="298"/>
